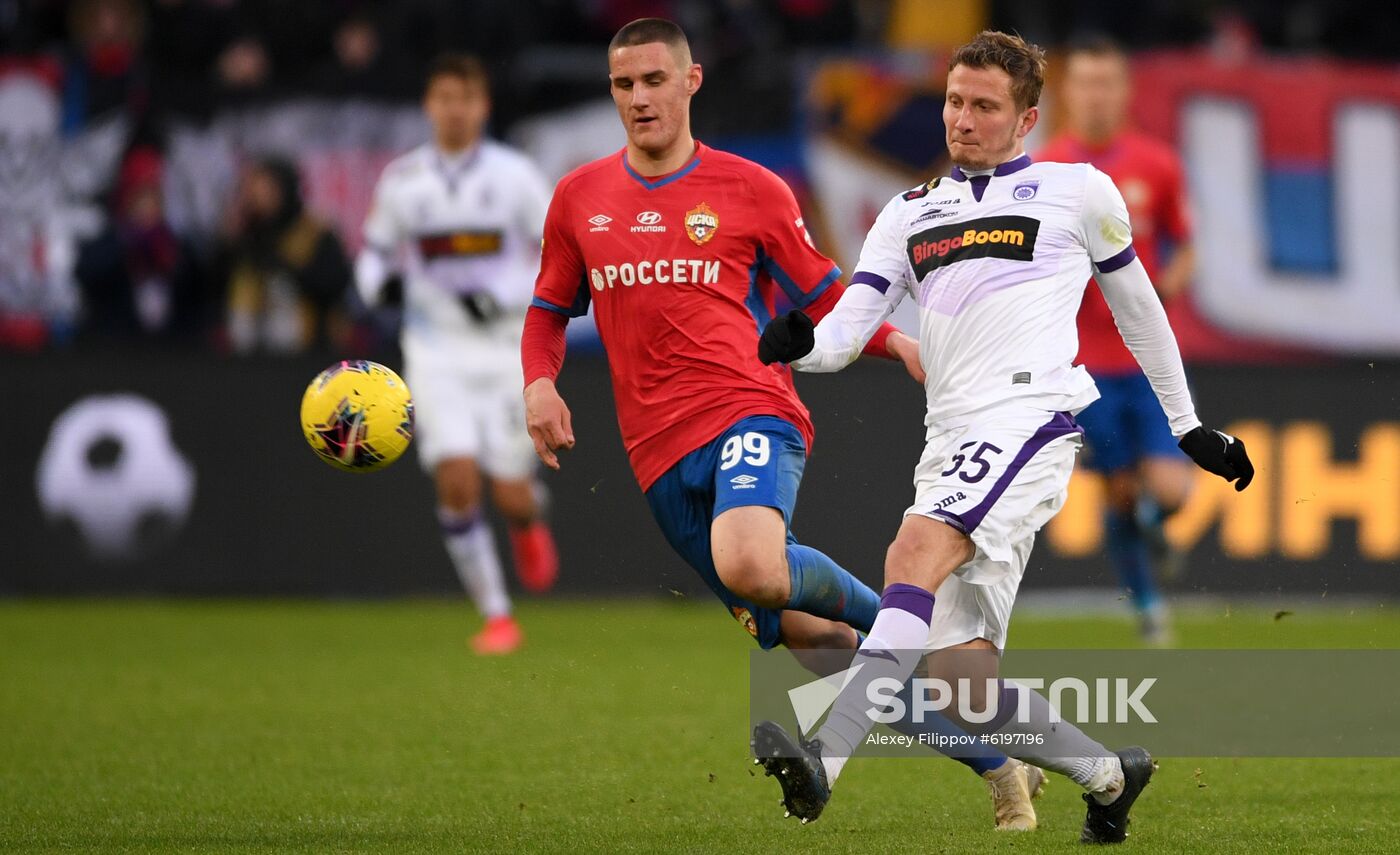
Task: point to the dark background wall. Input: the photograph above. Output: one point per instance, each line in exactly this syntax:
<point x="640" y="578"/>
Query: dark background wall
<point x="269" y="518"/>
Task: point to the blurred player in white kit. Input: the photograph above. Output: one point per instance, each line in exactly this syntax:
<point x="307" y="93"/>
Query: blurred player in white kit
<point x="454" y="237"/>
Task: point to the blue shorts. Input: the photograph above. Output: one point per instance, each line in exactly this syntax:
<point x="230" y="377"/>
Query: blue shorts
<point x="757" y="461"/>
<point x="1125" y="425"/>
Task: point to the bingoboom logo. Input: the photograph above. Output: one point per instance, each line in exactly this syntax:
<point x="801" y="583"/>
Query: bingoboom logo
<point x="663" y="271"/>
<point x="1011" y="238"/>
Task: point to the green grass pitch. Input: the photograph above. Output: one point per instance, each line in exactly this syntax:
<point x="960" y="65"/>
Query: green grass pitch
<point x="362" y="727"/>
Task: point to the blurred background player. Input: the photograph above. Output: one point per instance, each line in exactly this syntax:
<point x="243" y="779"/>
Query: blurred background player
<point x="1129" y="442"/>
<point x="465" y="215"/>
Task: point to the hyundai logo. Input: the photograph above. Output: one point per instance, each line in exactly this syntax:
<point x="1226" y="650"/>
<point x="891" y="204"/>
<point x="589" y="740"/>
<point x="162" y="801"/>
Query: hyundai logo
<point x="648" y="218"/>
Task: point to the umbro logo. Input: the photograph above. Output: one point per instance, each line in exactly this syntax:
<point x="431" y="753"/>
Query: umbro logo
<point x="600" y="223"/>
<point x="743" y="482"/>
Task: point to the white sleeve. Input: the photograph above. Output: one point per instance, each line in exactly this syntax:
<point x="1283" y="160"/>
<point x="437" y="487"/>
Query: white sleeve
<point x="382" y="235"/>
<point x="844" y="332"/>
<point x="535" y="194"/>
<point x="1137" y="310"/>
<point x="1107" y="233"/>
<point x="371" y="270"/>
<point x="382" y="229"/>
<point x="877" y="287"/>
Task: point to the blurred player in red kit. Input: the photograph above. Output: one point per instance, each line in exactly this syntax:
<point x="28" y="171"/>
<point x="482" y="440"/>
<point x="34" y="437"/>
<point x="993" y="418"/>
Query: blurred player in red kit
<point x="1128" y="439"/>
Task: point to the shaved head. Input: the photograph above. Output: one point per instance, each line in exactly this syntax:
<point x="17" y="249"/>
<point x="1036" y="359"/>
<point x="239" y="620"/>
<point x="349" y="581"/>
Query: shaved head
<point x="645" y="31"/>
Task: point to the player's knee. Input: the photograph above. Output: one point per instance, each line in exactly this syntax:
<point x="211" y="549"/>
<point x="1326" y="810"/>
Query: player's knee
<point x="1122" y="492"/>
<point x="458" y="487"/>
<point x="515" y="501"/>
<point x="755" y="573"/>
<point x="925" y="552"/>
<point x="1169" y="484"/>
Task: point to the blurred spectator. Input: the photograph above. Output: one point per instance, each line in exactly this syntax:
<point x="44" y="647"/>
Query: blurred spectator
<point x="288" y="272"/>
<point x="360" y="66"/>
<point x="186" y="38"/>
<point x="37" y="296"/>
<point x="104" y="73"/>
<point x="137" y="276"/>
<point x="244" y="69"/>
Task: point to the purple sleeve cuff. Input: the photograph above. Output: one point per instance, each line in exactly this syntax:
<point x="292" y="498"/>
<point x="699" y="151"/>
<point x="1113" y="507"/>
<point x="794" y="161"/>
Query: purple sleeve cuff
<point x="874" y="280"/>
<point x="1122" y="259"/>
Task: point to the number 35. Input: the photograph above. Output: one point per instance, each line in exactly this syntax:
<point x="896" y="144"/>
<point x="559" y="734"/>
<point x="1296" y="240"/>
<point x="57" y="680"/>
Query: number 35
<point x="752" y="448"/>
<point x="983" y="465"/>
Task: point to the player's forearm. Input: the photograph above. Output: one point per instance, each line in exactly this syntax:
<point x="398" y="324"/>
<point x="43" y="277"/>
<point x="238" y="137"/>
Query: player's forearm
<point x="371" y="269"/>
<point x="1142" y="322"/>
<point x="878" y="343"/>
<point x="1177" y="274"/>
<point x="843" y="334"/>
<point x="542" y="344"/>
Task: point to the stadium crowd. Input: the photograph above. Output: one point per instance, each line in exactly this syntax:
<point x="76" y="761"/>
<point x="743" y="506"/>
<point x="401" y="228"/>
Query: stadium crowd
<point x="90" y="90"/>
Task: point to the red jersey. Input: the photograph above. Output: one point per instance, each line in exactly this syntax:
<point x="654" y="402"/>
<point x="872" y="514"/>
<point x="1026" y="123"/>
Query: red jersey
<point x="1148" y="174"/>
<point x="682" y="270"/>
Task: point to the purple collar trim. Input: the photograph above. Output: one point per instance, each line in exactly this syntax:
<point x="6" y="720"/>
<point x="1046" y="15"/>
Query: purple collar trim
<point x="1005" y="169"/>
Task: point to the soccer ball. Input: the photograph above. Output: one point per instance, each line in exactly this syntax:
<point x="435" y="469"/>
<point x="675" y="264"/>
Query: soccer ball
<point x="357" y="415"/>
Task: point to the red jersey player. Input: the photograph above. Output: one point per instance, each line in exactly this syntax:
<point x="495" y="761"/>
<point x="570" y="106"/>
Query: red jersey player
<point x="681" y="249"/>
<point x="1126" y="433"/>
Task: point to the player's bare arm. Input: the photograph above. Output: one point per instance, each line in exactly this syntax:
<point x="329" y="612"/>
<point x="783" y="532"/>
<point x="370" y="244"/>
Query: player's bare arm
<point x="548" y="419"/>
<point x="1177" y="275"/>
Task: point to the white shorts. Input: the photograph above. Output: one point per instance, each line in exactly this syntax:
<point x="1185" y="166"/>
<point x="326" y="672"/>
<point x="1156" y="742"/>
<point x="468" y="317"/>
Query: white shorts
<point x="998" y="479"/>
<point x="473" y="410"/>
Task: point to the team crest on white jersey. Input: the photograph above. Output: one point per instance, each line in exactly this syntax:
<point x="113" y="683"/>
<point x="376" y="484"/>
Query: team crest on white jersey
<point x="701" y="223"/>
<point x="1025" y="191"/>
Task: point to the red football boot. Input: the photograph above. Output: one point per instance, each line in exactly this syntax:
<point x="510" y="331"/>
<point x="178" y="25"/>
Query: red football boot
<point x="500" y="636"/>
<point x="536" y="558"/>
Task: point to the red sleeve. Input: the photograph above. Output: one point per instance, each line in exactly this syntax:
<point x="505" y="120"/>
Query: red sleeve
<point x="542" y="344"/>
<point x="827" y="300"/>
<point x="562" y="285"/>
<point x="1175" y="215"/>
<point x="787" y="253"/>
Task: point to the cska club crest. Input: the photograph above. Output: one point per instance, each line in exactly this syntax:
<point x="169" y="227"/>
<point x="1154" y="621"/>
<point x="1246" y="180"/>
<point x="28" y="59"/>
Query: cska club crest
<point x="701" y="223"/>
<point x="745" y="619"/>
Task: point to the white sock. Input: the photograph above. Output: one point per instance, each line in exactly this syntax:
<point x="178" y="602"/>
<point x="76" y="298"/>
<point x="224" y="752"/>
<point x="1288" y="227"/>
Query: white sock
<point x="472" y="548"/>
<point x="1057" y="745"/>
<point x="1106" y="785"/>
<point x="893" y="649"/>
<point x="833" y="766"/>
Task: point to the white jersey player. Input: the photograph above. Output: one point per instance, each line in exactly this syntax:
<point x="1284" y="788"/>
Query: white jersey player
<point x="996" y="257"/>
<point x="454" y="235"/>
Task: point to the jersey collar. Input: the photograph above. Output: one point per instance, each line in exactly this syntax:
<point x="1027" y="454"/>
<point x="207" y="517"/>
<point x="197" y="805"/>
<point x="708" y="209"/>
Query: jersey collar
<point x="1014" y="165"/>
<point x="656" y="181"/>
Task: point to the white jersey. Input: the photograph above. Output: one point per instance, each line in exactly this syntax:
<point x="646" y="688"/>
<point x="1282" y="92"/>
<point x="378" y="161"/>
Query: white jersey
<point x="997" y="264"/>
<point x="458" y="226"/>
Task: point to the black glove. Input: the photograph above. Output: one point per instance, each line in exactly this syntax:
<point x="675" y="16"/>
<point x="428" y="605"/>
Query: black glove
<point x="787" y="338"/>
<point x="481" y="306"/>
<point x="1219" y="454"/>
<point x="391" y="292"/>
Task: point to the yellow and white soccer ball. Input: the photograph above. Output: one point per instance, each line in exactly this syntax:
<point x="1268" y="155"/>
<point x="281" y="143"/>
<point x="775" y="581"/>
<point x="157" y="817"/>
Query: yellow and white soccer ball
<point x="357" y="415"/>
